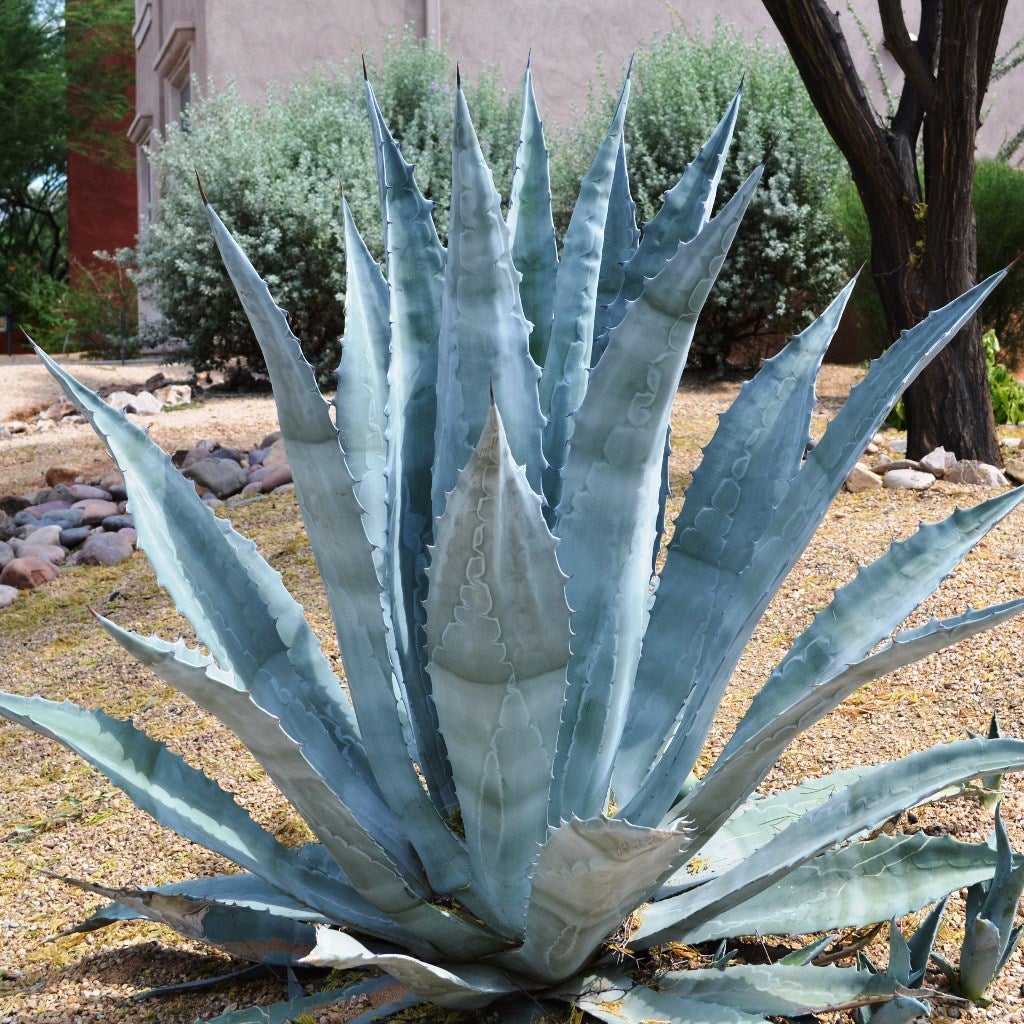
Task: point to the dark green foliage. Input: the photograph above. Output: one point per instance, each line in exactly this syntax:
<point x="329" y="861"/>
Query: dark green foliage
<point x="786" y="261"/>
<point x="276" y="175"/>
<point x="999" y="212"/>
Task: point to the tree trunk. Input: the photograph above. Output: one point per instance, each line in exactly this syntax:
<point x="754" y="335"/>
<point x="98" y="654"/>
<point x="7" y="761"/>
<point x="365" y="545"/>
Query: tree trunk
<point x="922" y="256"/>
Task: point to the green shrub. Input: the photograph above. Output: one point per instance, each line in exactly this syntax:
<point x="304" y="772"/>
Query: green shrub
<point x="1007" y="393"/>
<point x="276" y="174"/>
<point x="786" y="261"/>
<point x="999" y="214"/>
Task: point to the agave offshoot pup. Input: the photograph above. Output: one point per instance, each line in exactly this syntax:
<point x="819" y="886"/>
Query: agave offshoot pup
<point x="504" y="781"/>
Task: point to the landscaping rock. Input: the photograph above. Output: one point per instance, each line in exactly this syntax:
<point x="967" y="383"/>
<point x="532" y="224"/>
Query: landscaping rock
<point x="7" y="595"/>
<point x="6" y="553"/>
<point x="229" y="453"/>
<point x="886" y="465"/>
<point x="145" y="404"/>
<point x="938" y="461"/>
<point x="256" y="456"/>
<point x="34" y="513"/>
<point x="95" y="510"/>
<point x="898" y="445"/>
<point x="119" y="399"/>
<point x="7" y="526"/>
<point x="275" y="477"/>
<point x="862" y="479"/>
<point x="174" y="394"/>
<point x="44" y="535"/>
<point x="103" y="548"/>
<point x="65" y="518"/>
<point x="60" y="475"/>
<point x="909" y="479"/>
<point x="52" y="553"/>
<point x="970" y="471"/>
<point x="114" y="483"/>
<point x="198" y="452"/>
<point x="223" y="477"/>
<point x="121" y="521"/>
<point x="16" y="427"/>
<point x="270" y="439"/>
<point x="74" y="536"/>
<point x="276" y="455"/>
<point x="80" y="492"/>
<point x="59" y="410"/>
<point x="252" y="487"/>
<point x="28" y="573"/>
<point x="1014" y="469"/>
<point x="12" y="505"/>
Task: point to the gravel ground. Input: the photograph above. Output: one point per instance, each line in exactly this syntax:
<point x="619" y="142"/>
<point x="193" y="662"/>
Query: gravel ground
<point x="57" y="814"/>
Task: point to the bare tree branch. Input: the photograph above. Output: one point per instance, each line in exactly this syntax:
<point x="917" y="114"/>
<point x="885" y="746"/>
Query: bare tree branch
<point x="901" y="46"/>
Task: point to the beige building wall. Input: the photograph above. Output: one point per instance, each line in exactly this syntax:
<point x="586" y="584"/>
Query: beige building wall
<point x="254" y="42"/>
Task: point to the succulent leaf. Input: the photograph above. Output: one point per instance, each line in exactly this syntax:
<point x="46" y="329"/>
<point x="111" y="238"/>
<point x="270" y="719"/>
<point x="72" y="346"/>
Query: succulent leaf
<point x="609" y="503"/>
<point x="333" y="517"/>
<point x="621" y="238"/>
<point x="850" y="887"/>
<point x="589" y="876"/>
<point x="484" y="342"/>
<point x="879" y="793"/>
<point x="415" y="273"/>
<point x="567" y="361"/>
<point x="498" y="642"/>
<point x="462" y="986"/>
<point x="250" y="933"/>
<point x="285" y="1012"/>
<point x="780" y="990"/>
<point x="636" y="1004"/>
<point x="746" y="469"/>
<point x="361" y="399"/>
<point x="534" y="250"/>
<point x="685" y="210"/>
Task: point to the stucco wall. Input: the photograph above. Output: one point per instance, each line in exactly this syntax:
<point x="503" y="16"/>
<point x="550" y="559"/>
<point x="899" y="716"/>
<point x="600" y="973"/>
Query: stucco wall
<point x="254" y="44"/>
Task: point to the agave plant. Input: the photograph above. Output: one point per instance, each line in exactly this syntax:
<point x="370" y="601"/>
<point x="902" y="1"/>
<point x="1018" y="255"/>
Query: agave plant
<point x="506" y="781"/>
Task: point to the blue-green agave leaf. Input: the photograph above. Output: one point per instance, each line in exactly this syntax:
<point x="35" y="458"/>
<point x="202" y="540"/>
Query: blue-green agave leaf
<point x="326" y="801"/>
<point x="779" y="989"/>
<point x="609" y="504"/>
<point x="484" y="342"/>
<point x="846" y="888"/>
<point x="901" y="1010"/>
<point x="241" y="890"/>
<point x="868" y="608"/>
<point x="802" y="957"/>
<point x="160" y="783"/>
<point x="738" y="771"/>
<point x="689" y="650"/>
<point x="534" y="251"/>
<point x="979" y="958"/>
<point x="921" y="942"/>
<point x="498" y="643"/>
<point x="685" y="209"/>
<point x="217" y="579"/>
<point x="881" y="792"/>
<point x="754" y="824"/>
<point x="284" y="1012"/>
<point x="415" y="271"/>
<point x="567" y="362"/>
<point x="333" y="517"/>
<point x="589" y="876"/>
<point x="462" y="986"/>
<point x="621" y="1001"/>
<point x="361" y="399"/>
<point x="621" y="238"/>
<point x="253" y="934"/>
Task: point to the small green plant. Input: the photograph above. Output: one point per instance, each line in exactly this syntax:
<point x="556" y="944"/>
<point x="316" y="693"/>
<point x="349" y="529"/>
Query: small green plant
<point x="504" y="798"/>
<point x="1007" y="393"/>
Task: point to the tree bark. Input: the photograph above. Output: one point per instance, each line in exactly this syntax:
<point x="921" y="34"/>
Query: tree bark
<point x="923" y="247"/>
